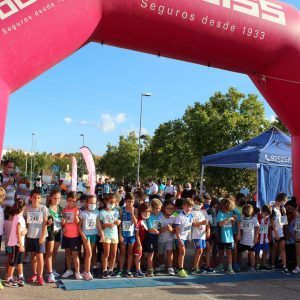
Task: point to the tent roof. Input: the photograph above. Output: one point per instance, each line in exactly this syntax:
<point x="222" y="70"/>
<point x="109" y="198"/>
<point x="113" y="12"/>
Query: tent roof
<point x="272" y="147"/>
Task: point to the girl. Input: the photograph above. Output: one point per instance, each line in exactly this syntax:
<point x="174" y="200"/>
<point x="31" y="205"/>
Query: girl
<point x="36" y="216"/>
<point x="140" y="233"/>
<point x="54" y="233"/>
<point x="110" y="220"/>
<point x="6" y="230"/>
<point x="127" y="234"/>
<point x="225" y="219"/>
<point x="89" y="229"/>
<point x="71" y="241"/>
<point x="2" y="197"/>
<point x="166" y="237"/>
<point x="16" y="241"/>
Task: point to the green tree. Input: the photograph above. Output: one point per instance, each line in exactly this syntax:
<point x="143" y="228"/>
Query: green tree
<point x="277" y="123"/>
<point x="19" y="158"/>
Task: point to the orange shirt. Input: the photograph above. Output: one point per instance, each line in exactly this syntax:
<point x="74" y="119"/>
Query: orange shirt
<point x="70" y="228"/>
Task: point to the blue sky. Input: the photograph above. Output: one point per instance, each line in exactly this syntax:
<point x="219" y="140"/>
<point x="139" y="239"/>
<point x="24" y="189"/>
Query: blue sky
<point x="96" y="92"/>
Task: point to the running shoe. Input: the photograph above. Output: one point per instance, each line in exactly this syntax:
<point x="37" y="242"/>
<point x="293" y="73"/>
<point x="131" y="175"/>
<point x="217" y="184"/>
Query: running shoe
<point x="171" y="272"/>
<point x="210" y="270"/>
<point x="296" y="270"/>
<point x="160" y="268"/>
<point x="112" y="274"/>
<point x="1" y="286"/>
<point x="120" y="273"/>
<point x="128" y="274"/>
<point x="21" y="281"/>
<point x="251" y="269"/>
<point x="32" y="279"/>
<point x="78" y="276"/>
<point x="105" y="275"/>
<point x="11" y="283"/>
<point x="285" y="271"/>
<point x="40" y="280"/>
<point x="67" y="274"/>
<point x="182" y="273"/>
<point x="194" y="271"/>
<point x="87" y="276"/>
<point x="265" y="267"/>
<point x="139" y="274"/>
<point x="55" y="274"/>
<point x="230" y="272"/>
<point x="149" y="273"/>
<point x="220" y="268"/>
<point x="51" y="278"/>
<point x="201" y="271"/>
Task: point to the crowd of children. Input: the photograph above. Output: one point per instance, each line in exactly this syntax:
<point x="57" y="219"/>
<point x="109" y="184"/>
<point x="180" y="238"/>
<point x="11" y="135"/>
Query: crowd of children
<point x="136" y="237"/>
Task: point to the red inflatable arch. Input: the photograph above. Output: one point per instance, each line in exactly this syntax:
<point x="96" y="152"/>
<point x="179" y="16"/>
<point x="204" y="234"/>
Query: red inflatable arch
<point x="259" y="38"/>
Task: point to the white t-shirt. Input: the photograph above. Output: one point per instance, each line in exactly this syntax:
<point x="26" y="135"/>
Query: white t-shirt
<point x="248" y="230"/>
<point x="1" y="220"/>
<point x="153" y="188"/>
<point x="170" y="189"/>
<point x="166" y="236"/>
<point x="10" y="192"/>
<point x="185" y="223"/>
<point x="199" y="233"/>
<point x="276" y="216"/>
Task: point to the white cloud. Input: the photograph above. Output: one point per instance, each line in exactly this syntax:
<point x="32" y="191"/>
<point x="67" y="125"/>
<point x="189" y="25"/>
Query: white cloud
<point x="120" y="118"/>
<point x="84" y="122"/>
<point x="107" y="123"/>
<point x="144" y="131"/>
<point x="68" y="120"/>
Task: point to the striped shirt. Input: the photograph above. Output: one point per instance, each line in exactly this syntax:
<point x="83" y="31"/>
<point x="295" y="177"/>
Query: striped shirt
<point x="10" y="192"/>
<point x="264" y="226"/>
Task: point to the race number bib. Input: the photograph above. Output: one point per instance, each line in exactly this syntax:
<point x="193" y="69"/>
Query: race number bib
<point x="34" y="217"/>
<point x="247" y="227"/>
<point x="69" y="217"/>
<point x="56" y="225"/>
<point x="187" y="228"/>
<point x="128" y="227"/>
<point x="297" y="227"/>
<point x="283" y="220"/>
<point x="263" y="229"/>
<point x="90" y="224"/>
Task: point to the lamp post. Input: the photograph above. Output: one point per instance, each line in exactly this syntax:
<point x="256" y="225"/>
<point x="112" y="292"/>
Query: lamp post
<point x="32" y="154"/>
<point x="82" y="139"/>
<point x="140" y="132"/>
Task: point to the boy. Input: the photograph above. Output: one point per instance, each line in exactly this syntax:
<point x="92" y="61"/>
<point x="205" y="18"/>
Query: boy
<point x="183" y="222"/>
<point x="127" y="234"/>
<point x="200" y="226"/>
<point x="150" y="242"/>
<point x="36" y="216"/>
<point x="278" y="221"/>
<point x="225" y="220"/>
<point x="249" y="234"/>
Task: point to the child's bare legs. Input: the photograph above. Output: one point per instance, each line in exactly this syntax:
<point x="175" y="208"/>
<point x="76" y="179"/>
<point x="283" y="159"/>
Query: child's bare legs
<point x="34" y="262"/>
<point x="207" y="254"/>
<point x="229" y="259"/>
<point x="274" y="252"/>
<point x="75" y="257"/>
<point x="298" y="253"/>
<point x="198" y="254"/>
<point x="112" y="256"/>
<point x="181" y="255"/>
<point x="137" y="260"/>
<point x="122" y="256"/>
<point x="221" y="256"/>
<point x="170" y="258"/>
<point x="105" y="255"/>
<point x="282" y="252"/>
<point x="68" y="258"/>
<point x="150" y="260"/>
<point x="88" y="256"/>
<point x="129" y="256"/>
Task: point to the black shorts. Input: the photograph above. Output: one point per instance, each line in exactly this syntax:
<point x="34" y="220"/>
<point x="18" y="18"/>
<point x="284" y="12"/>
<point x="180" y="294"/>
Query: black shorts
<point x="150" y="243"/>
<point x="242" y="248"/>
<point x="17" y="256"/>
<point x="33" y="245"/>
<point x="228" y="246"/>
<point x="73" y="244"/>
<point x="280" y="239"/>
<point x="54" y="236"/>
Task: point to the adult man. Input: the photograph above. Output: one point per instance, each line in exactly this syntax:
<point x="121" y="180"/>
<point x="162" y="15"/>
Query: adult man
<point x="99" y="189"/>
<point x="244" y="190"/>
<point x="188" y="191"/>
<point x="153" y="187"/>
<point x="170" y="188"/>
<point x="106" y="187"/>
<point x="8" y="182"/>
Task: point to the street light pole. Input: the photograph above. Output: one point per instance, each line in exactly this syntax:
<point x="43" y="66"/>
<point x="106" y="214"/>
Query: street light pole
<point x="31" y="163"/>
<point x="81" y="161"/>
<point x="140" y="132"/>
<point x="82" y="139"/>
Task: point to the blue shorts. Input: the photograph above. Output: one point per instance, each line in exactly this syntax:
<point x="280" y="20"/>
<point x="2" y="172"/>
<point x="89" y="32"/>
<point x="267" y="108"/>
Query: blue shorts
<point x="93" y="239"/>
<point x="200" y="244"/>
<point x="8" y="250"/>
<point x="185" y="242"/>
<point x="129" y="240"/>
<point x="263" y="247"/>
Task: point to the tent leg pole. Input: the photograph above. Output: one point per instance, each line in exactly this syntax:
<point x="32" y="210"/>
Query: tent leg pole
<point x="201" y="180"/>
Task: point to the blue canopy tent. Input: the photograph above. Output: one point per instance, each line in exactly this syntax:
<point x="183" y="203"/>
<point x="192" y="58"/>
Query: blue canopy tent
<point x="269" y="154"/>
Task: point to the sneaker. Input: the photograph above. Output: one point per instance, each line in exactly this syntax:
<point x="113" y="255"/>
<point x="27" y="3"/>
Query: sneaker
<point x="55" y="274"/>
<point x="149" y="273"/>
<point x="296" y="270"/>
<point x="220" y="268"/>
<point x="88" y="276"/>
<point x="266" y="267"/>
<point x="1" y="286"/>
<point x="11" y="283"/>
<point x="194" y="271"/>
<point x="258" y="268"/>
<point x="112" y="274"/>
<point x="94" y="272"/>
<point x="78" y="276"/>
<point x="67" y="274"/>
<point x="251" y="269"/>
<point x="210" y="270"/>
<point x="32" y="279"/>
<point x="230" y="272"/>
<point x="128" y="274"/>
<point x="160" y="268"/>
<point x="171" y="272"/>
<point x="182" y="273"/>
<point x="120" y="273"/>
<point x="285" y="271"/>
<point x="21" y="281"/>
<point x="51" y="278"/>
<point x="139" y="274"/>
<point x="40" y="281"/>
<point x="105" y="275"/>
<point x="202" y="271"/>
